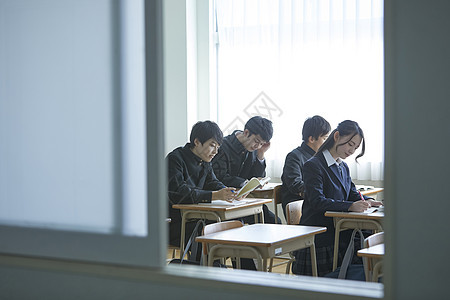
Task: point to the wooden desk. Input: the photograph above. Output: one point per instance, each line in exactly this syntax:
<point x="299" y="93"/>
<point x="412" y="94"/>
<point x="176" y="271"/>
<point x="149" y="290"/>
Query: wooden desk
<point x="351" y="220"/>
<point x="376" y="251"/>
<point x="375" y="256"/>
<point x="266" y="192"/>
<point x="372" y="192"/>
<point x="208" y="211"/>
<point x="262" y="241"/>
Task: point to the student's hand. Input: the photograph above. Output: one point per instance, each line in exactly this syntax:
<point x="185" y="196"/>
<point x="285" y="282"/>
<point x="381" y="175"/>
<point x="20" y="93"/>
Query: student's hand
<point x="359" y="206"/>
<point x="242" y="197"/>
<point x="261" y="186"/>
<point x="375" y="203"/>
<point x="227" y="194"/>
<point x="260" y="152"/>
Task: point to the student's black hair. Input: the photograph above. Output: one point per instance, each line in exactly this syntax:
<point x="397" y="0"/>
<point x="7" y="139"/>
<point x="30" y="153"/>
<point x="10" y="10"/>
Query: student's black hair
<point x="316" y="127"/>
<point x="205" y="130"/>
<point x="260" y="126"/>
<point x="345" y="128"/>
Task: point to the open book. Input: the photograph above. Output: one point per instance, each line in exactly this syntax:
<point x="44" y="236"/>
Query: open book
<point x="251" y="185"/>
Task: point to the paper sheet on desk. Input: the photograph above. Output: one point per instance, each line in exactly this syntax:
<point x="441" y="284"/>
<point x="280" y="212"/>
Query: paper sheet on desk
<point x="374" y="209"/>
<point x="233" y="203"/>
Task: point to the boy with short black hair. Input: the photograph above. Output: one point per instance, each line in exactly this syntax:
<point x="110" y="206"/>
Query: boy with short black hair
<point x="315" y="131"/>
<point x="191" y="178"/>
<point x="241" y="157"/>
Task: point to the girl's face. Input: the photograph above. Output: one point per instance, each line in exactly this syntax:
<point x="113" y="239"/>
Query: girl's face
<point x="344" y="146"/>
<point x="207" y="150"/>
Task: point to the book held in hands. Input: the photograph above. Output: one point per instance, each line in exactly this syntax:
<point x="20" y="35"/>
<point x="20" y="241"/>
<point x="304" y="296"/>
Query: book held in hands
<point x="250" y="186"/>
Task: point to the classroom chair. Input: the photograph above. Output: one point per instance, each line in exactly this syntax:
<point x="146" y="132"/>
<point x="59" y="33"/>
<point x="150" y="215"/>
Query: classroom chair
<point x="174" y="251"/>
<point x="276" y="200"/>
<point x="371" y="266"/>
<point x="293" y="214"/>
<point x="172" y="248"/>
<point x="216" y="227"/>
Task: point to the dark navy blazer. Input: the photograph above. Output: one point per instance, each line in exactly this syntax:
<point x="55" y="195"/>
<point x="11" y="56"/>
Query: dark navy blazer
<point x="292" y="177"/>
<point x="326" y="190"/>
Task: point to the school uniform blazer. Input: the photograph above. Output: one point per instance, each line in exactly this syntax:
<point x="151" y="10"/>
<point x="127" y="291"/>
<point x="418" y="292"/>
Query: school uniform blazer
<point x="325" y="190"/>
<point x="233" y="164"/>
<point x="292" y="176"/>
<point x="190" y="180"/>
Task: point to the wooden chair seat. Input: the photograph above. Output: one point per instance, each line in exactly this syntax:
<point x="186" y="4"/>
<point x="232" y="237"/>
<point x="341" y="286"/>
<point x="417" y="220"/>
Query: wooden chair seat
<point x="293" y="215"/>
<point x="216" y="227"/>
<point x="370" y="264"/>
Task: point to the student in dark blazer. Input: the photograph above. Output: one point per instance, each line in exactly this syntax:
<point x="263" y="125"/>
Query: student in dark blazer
<point x="315" y="131"/>
<point x="242" y="156"/>
<point x="191" y="179"/>
<point x="328" y="186"/>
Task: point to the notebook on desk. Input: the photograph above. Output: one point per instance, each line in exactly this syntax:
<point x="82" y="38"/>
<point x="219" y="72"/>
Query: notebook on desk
<point x="232" y="203"/>
<point x="374" y="209"/>
<point x="364" y="187"/>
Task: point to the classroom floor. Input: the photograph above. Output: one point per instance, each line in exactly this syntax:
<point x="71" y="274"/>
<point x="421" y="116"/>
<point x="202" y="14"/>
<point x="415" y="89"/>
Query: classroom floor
<point x="278" y="269"/>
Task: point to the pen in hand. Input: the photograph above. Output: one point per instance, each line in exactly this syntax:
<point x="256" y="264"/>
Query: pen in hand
<point x="362" y="199"/>
<point x="360" y="195"/>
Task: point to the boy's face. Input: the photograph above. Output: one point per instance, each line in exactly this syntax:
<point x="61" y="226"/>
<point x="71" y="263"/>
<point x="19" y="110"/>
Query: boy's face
<point x="316" y="143"/>
<point x="207" y="150"/>
<point x="252" y="142"/>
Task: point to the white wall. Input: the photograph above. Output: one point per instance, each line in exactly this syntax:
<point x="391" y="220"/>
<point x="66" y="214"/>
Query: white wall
<point x="175" y="74"/>
<point x="187" y="68"/>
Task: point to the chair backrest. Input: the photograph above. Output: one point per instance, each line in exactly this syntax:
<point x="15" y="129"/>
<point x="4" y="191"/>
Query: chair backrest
<point x="220" y="226"/>
<point x="374" y="239"/>
<point x="294" y="212"/>
<point x="276" y="194"/>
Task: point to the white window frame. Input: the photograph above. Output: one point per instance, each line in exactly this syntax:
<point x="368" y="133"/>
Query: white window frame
<point x="115" y="248"/>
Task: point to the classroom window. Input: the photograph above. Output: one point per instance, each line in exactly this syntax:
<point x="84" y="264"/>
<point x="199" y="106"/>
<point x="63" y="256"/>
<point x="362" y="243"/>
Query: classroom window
<point x="289" y="60"/>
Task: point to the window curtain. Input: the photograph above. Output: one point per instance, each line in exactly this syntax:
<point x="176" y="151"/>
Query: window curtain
<point x="290" y="60"/>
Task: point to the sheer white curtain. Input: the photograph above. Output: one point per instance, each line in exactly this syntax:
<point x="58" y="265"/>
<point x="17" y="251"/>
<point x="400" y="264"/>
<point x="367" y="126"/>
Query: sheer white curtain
<point x="289" y="60"/>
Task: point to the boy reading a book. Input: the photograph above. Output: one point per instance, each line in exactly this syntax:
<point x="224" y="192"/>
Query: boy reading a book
<point x="191" y="179"/>
<point x="241" y="157"/>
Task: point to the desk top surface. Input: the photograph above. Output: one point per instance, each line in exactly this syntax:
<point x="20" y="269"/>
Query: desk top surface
<point x="377" y="215"/>
<point x="372" y="191"/>
<point x="265" y="192"/>
<point x="261" y="235"/>
<point x="267" y="187"/>
<point x="374" y="251"/>
<point x="224" y="206"/>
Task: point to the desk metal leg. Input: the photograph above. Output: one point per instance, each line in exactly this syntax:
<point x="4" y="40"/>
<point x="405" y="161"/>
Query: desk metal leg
<point x="312" y="250"/>
<point x="238" y="252"/>
<point x="374" y="225"/>
<point x="264" y="265"/>
<point x="184" y="219"/>
<point x="376" y="271"/>
<point x="337" y="230"/>
<point x="183" y="230"/>
<point x="261" y="215"/>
